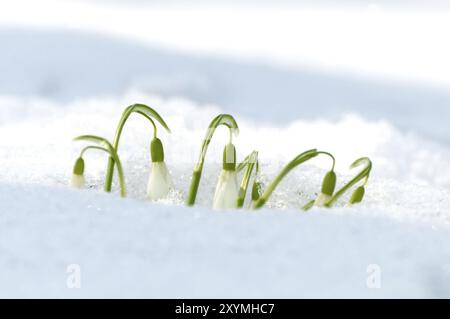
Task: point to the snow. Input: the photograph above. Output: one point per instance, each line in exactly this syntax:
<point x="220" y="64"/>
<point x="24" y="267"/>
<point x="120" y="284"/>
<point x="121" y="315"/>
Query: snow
<point x="130" y="248"/>
<point x="56" y="84"/>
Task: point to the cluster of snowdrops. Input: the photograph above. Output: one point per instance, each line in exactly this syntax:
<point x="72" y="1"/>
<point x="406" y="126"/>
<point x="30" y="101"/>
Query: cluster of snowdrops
<point x="229" y="193"/>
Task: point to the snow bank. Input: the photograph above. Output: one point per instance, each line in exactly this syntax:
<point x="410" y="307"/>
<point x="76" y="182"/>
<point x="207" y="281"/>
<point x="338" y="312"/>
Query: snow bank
<point x="410" y="178"/>
<point x="129" y="248"/>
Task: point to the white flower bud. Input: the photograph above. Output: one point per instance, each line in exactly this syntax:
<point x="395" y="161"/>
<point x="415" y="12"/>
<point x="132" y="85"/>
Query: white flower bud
<point x="159" y="182"/>
<point x="77" y="181"/>
<point x="322" y="199"/>
<point x="227" y="190"/>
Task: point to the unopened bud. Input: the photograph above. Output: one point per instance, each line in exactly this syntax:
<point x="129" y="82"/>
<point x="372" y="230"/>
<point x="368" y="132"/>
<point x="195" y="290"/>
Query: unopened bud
<point x="157" y="150"/>
<point x="329" y="183"/>
<point x="357" y="196"/>
<point x="78" y="168"/>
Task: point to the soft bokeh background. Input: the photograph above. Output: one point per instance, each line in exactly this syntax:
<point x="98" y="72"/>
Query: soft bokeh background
<point x="381" y="59"/>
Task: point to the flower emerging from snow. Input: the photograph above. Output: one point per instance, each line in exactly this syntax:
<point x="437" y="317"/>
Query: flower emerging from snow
<point x="357" y="196"/>
<point x="328" y="186"/>
<point x="227" y="189"/>
<point x="78" y="180"/>
<point x="160" y="181"/>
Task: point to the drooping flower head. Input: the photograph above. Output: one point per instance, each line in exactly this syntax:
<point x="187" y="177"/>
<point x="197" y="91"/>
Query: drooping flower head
<point x="358" y="193"/>
<point x="78" y="180"/>
<point x="143" y="110"/>
<point x="105" y="146"/>
<point x="227" y="189"/>
<point x="328" y="186"/>
<point x="222" y="119"/>
<point x="159" y="182"/>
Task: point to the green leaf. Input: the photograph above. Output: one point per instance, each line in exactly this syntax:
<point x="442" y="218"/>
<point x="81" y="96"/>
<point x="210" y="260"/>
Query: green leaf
<point x="148" y="112"/>
<point x="250" y="161"/>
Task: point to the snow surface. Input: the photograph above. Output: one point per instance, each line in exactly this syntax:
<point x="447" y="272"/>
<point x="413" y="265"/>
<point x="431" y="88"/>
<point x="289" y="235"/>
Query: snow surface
<point x="55" y="85"/>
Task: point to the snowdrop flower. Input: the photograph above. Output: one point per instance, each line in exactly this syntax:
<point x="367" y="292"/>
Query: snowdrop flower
<point x="143" y="110"/>
<point x="328" y="186"/>
<point x="78" y="180"/>
<point x="227" y="189"/>
<point x="358" y="193"/>
<point x="357" y="196"/>
<point x="105" y="146"/>
<point x="220" y="120"/>
<point x="159" y="182"/>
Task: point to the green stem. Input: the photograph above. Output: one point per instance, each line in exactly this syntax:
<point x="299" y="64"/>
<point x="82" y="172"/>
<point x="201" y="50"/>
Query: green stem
<point x="143" y="110"/>
<point x="113" y="154"/>
<point x="196" y="175"/>
<point x="332" y="157"/>
<point x="250" y="161"/>
<point x="91" y="147"/>
<point x="300" y="159"/>
<point x="222" y="119"/>
<point x="363" y="174"/>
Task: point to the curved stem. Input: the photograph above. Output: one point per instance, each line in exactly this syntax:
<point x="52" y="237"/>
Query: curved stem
<point x="155" y="131"/>
<point x="300" y="159"/>
<point x="222" y="119"/>
<point x="141" y="109"/>
<point x="90" y="147"/>
<point x="363" y="174"/>
<point x="250" y="161"/>
<point x="332" y="157"/>
<point x="113" y="154"/>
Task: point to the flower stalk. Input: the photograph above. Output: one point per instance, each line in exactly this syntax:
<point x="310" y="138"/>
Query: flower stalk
<point x="300" y="159"/>
<point x="251" y="163"/>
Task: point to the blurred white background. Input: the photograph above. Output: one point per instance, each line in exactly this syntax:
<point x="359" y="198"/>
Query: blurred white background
<point x="396" y="40"/>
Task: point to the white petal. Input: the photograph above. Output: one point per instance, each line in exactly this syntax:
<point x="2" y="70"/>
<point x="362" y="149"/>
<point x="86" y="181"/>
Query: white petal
<point x="227" y="190"/>
<point x="77" y="181"/>
<point x="159" y="182"/>
<point x="322" y="199"/>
